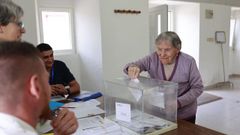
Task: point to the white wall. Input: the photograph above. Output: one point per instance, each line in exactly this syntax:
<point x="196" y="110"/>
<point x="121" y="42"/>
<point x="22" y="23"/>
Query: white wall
<point x="106" y="41"/>
<point x="234" y="52"/>
<point x="198" y="37"/>
<point x="223" y="2"/>
<point x="210" y="53"/>
<point x="29" y="20"/>
<point x="125" y="37"/>
<point x="187" y="17"/>
<point x="88" y="40"/>
<point x="55" y="3"/>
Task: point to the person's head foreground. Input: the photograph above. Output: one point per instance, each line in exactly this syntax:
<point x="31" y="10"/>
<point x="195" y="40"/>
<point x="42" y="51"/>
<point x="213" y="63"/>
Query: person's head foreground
<point x="24" y="88"/>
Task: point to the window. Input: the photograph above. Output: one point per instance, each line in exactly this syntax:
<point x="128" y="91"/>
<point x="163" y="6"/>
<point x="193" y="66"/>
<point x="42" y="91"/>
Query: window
<point x="170" y="22"/>
<point x="159" y="24"/>
<point x="56" y="29"/>
<point x="232" y="29"/>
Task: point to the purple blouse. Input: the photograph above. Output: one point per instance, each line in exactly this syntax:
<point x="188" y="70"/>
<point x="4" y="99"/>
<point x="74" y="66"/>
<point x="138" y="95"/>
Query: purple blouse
<point x="185" y="73"/>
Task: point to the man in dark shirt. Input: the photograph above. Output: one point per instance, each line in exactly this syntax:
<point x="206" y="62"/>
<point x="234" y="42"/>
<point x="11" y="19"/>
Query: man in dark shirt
<point x="60" y="78"/>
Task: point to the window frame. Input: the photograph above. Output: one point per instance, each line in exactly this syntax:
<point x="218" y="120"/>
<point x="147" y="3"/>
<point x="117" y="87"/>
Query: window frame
<point x="170" y="20"/>
<point x="72" y="34"/>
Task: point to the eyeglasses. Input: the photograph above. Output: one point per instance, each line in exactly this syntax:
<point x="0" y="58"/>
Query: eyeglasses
<point x="19" y="24"/>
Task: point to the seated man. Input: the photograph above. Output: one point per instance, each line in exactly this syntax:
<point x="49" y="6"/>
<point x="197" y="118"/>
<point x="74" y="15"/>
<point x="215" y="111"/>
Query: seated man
<point x="25" y="93"/>
<point x="60" y="78"/>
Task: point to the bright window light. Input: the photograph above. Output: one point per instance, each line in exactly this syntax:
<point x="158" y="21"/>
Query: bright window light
<point x="159" y="24"/>
<point x="232" y="29"/>
<point x="56" y="29"/>
<point x="170" y="21"/>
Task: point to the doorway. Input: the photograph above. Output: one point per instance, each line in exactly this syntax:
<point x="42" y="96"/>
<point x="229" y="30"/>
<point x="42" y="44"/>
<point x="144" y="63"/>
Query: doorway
<point x="158" y="23"/>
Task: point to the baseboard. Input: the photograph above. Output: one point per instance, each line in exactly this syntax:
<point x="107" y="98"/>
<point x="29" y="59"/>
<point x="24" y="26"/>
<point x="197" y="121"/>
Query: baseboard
<point x="212" y="86"/>
<point x="234" y="76"/>
<point x="219" y="84"/>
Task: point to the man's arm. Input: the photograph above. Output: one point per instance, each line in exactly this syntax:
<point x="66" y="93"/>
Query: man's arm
<point x="58" y="89"/>
<point x="74" y="87"/>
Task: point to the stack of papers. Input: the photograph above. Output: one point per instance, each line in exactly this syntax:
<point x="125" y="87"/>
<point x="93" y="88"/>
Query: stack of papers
<point x="96" y="125"/>
<point x="85" y="109"/>
<point x="143" y="123"/>
<point x="81" y="110"/>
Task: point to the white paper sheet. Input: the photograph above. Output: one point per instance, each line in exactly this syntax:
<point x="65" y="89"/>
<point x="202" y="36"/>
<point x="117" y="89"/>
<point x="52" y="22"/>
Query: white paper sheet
<point x="89" y="103"/>
<point x="136" y="93"/>
<point x="97" y="126"/>
<point x="87" y="111"/>
<point x="123" y="111"/>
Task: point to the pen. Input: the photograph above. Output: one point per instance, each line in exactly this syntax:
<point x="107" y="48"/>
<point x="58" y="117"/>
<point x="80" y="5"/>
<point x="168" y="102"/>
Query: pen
<point x="67" y="107"/>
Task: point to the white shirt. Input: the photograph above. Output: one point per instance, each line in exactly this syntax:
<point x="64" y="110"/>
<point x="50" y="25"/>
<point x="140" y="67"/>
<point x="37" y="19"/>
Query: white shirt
<point x="11" y="125"/>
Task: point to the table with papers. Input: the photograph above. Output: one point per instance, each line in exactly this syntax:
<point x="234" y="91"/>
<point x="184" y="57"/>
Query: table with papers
<point x="91" y="107"/>
<point x="91" y="123"/>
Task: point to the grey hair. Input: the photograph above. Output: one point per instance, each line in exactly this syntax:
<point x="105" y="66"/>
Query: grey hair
<point x="170" y="36"/>
<point x="9" y="12"/>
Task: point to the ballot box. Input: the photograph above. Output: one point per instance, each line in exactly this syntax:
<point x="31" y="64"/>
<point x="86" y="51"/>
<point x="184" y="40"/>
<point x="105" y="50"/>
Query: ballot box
<point x="141" y="106"/>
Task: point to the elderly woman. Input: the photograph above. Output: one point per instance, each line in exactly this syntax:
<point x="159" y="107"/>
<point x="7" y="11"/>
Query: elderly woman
<point x="169" y="64"/>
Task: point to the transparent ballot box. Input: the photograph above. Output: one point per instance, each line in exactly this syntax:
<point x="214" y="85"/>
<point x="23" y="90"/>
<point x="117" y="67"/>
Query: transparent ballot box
<point x="142" y="106"/>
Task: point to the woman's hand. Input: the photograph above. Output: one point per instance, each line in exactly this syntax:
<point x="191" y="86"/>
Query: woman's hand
<point x="133" y="71"/>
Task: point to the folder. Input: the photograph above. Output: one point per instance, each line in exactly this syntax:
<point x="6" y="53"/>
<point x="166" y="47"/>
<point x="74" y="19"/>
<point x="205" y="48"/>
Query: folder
<point x="87" y="96"/>
<point x="55" y="105"/>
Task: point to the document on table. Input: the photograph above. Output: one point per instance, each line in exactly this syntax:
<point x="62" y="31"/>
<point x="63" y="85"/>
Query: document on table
<point x="87" y="111"/>
<point x="145" y="123"/>
<point x="92" y="102"/>
<point x="96" y="125"/>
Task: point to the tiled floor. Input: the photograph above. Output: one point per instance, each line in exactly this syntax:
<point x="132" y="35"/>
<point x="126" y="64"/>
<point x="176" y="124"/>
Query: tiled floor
<point x="222" y="115"/>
